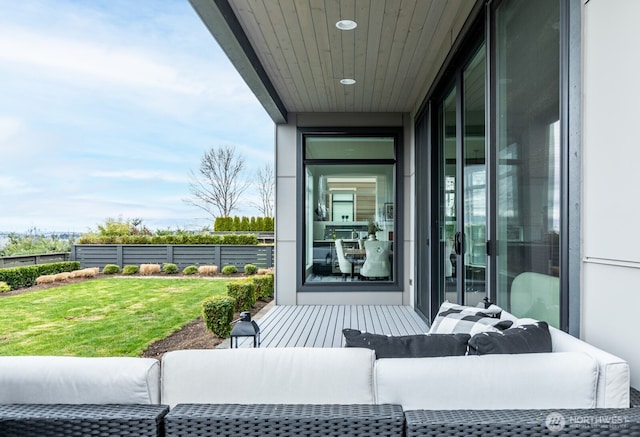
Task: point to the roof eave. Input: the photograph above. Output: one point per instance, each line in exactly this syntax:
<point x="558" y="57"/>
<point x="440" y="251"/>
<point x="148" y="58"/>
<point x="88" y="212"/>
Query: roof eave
<point x="222" y="23"/>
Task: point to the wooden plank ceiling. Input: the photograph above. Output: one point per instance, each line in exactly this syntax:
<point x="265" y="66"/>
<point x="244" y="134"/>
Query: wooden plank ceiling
<point x="390" y="54"/>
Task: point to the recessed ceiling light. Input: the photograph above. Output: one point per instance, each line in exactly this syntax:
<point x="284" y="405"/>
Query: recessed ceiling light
<point x="346" y="24"/>
<point x="347" y="81"/>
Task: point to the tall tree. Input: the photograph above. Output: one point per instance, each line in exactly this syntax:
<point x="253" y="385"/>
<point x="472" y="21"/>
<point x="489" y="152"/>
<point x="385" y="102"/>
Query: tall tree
<point x="219" y="183"/>
<point x="265" y="185"/>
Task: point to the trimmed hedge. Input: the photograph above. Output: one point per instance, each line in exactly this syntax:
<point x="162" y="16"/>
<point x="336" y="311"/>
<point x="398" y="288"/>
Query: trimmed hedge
<point x="244" y="293"/>
<point x="229" y="270"/>
<point x="244" y="224"/>
<point x="250" y="269"/>
<point x="264" y="286"/>
<point x="111" y="269"/>
<point x="170" y="268"/>
<point x="130" y="270"/>
<point x="21" y="277"/>
<point x="248" y="239"/>
<point x="217" y="312"/>
<point x="190" y="270"/>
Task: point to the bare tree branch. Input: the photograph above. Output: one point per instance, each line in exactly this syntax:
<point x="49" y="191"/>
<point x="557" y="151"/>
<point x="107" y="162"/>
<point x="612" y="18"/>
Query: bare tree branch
<point x="219" y="183"/>
<point x="265" y="185"/>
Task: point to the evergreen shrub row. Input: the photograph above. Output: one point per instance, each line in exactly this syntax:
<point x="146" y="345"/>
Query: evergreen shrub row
<point x="143" y="269"/>
<point x="21" y="277"/>
<point x="218" y="311"/>
<point x="244" y="224"/>
<point x="246" y="239"/>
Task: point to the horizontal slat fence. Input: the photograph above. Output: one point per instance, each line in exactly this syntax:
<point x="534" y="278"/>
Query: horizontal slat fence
<point x="30" y="260"/>
<point x="98" y="255"/>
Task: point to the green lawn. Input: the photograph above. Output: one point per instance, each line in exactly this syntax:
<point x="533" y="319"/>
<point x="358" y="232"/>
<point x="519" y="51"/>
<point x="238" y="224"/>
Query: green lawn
<point x="102" y="317"/>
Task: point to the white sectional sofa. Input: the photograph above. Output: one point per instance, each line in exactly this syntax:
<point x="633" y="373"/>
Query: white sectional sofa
<point x="75" y="380"/>
<point x="574" y="375"/>
<point x="64" y="396"/>
<point x="269" y="376"/>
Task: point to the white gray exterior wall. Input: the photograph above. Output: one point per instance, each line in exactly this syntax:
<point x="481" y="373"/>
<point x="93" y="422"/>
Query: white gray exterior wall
<point x="611" y="153"/>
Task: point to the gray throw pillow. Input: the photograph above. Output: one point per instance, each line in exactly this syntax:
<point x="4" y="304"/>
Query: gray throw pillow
<point x="409" y="346"/>
<point x="524" y="339"/>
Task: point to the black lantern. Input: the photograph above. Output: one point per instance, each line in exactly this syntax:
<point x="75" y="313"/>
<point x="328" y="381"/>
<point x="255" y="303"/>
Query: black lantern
<point x="245" y="327"/>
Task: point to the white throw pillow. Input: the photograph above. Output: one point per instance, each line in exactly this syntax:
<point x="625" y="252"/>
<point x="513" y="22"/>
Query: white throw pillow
<point x="459" y="319"/>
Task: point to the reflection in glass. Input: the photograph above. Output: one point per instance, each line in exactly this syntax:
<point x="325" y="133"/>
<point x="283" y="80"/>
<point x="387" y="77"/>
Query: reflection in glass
<point x="463" y="185"/>
<point x="447" y="261"/>
<point x="528" y="152"/>
<point x="347" y="205"/>
<point x="475" y="179"/>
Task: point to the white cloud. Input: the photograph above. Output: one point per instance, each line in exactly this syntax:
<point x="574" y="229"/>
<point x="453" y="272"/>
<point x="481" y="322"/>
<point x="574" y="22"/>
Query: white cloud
<point x="141" y="175"/>
<point x="87" y="61"/>
<point x="9" y="127"/>
<point x="12" y="186"/>
<point x="106" y="105"/>
<point x="83" y="58"/>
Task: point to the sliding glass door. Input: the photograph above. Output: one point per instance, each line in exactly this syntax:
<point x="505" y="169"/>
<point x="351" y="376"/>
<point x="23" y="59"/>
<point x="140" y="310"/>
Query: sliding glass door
<point x="499" y="173"/>
<point x="528" y="167"/>
<point x="462" y="186"/>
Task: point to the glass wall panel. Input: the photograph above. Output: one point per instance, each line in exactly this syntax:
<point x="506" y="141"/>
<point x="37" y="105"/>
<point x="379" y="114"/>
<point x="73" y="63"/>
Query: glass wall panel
<point x="462" y="182"/>
<point x="349" y="148"/>
<point x="528" y="158"/>
<point x="448" y="204"/>
<point x="475" y="178"/>
<point x="350" y="217"/>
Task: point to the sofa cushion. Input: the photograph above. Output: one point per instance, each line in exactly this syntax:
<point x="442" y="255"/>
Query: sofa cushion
<point x="76" y="380"/>
<point x="408" y="346"/>
<point x="458" y="319"/>
<point x="615" y="375"/>
<point x="521" y="381"/>
<point x="268" y="376"/>
<point x="523" y="339"/>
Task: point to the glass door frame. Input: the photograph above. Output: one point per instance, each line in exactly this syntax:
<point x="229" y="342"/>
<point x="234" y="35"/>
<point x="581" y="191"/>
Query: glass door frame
<point x="480" y="28"/>
<point x="455" y="84"/>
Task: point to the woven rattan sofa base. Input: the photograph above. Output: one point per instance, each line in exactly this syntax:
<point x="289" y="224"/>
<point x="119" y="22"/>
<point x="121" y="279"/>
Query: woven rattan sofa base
<point x="635" y="397"/>
<point x="594" y="422"/>
<point x="284" y="420"/>
<point x="29" y="420"/>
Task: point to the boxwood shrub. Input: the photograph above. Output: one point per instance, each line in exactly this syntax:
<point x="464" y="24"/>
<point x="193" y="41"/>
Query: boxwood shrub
<point x="130" y="270"/>
<point x="217" y="313"/>
<point x="4" y="287"/>
<point x="111" y="269"/>
<point x="170" y="268"/>
<point x="229" y="270"/>
<point x="190" y="270"/>
<point x="21" y="277"/>
<point x="264" y="286"/>
<point x="250" y="269"/>
<point x="244" y="293"/>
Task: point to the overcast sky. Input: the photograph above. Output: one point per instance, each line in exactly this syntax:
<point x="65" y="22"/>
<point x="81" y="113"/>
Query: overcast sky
<point x="105" y="106"/>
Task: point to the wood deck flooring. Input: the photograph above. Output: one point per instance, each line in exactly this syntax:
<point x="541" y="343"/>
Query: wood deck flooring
<point x="322" y="325"/>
